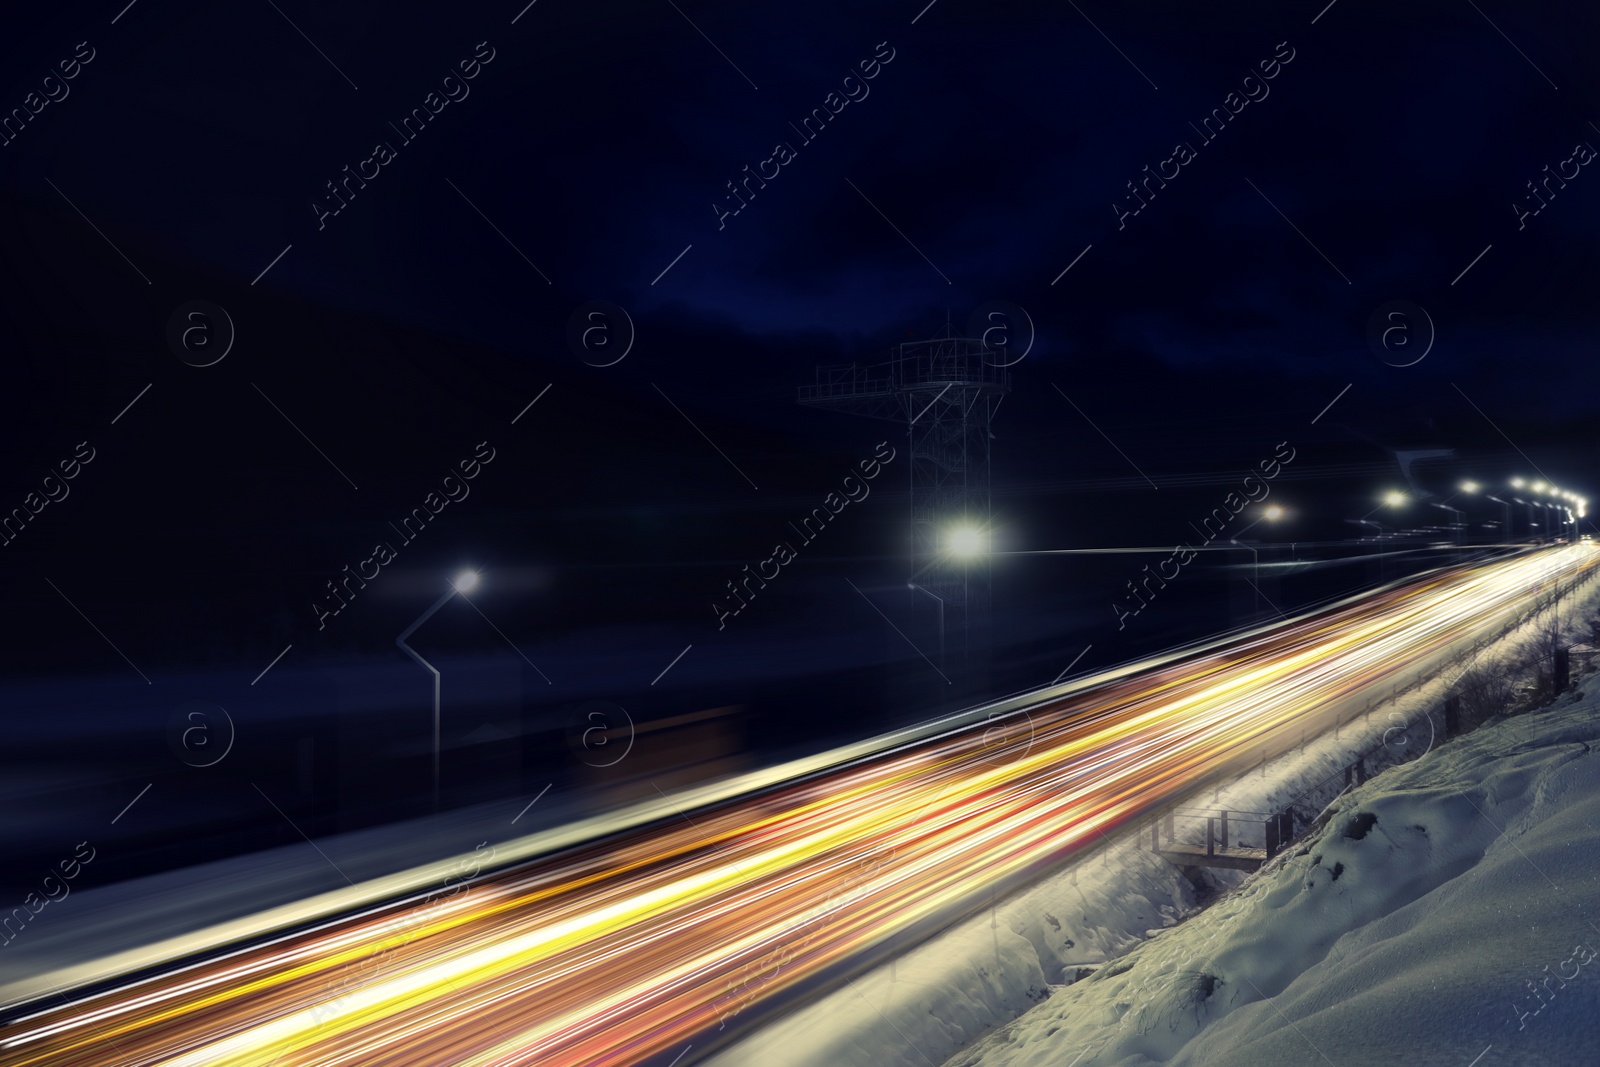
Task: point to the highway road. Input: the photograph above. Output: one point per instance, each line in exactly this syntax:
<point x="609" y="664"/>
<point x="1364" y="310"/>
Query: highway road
<point x="627" y="949"/>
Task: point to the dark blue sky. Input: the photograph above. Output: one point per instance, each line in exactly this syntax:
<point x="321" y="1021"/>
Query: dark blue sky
<point x="1380" y="162"/>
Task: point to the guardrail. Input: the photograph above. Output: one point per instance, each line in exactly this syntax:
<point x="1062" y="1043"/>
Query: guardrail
<point x="1228" y="838"/>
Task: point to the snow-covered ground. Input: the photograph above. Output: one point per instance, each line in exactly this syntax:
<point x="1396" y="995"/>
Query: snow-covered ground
<point x="1409" y="927"/>
<point x="1445" y="911"/>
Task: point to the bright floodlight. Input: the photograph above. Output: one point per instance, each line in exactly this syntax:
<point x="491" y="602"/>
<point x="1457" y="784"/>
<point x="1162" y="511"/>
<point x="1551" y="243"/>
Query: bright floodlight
<point x="1273" y="513"/>
<point x="466" y="581"/>
<point x="1469" y="487"/>
<point x="1539" y="487"/>
<point x="966" y="541"/>
<point x="1394" y="498"/>
<point x="1516" y="483"/>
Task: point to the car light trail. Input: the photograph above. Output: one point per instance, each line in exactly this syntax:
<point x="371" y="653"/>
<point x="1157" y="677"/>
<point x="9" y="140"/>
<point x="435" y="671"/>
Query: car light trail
<point x="629" y="948"/>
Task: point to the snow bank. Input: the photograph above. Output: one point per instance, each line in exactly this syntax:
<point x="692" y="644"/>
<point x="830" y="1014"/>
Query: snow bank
<point x="1444" y="911"/>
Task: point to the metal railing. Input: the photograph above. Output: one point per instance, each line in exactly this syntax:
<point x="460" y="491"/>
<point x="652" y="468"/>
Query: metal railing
<point x="962" y="360"/>
<point x="1222" y="832"/>
<point x="1217" y="831"/>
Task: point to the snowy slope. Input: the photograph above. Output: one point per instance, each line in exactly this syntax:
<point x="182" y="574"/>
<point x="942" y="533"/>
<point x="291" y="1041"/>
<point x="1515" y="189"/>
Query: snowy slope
<point x="1449" y="909"/>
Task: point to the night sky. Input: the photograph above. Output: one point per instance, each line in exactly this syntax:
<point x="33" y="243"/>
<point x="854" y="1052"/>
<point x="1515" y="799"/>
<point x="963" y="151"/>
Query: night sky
<point x="1203" y="210"/>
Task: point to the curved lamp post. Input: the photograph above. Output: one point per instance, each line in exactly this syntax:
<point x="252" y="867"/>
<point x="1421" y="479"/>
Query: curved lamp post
<point x="465" y="582"/>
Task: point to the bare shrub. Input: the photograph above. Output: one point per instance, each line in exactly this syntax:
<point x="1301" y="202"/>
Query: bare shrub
<point x="1485" y="689"/>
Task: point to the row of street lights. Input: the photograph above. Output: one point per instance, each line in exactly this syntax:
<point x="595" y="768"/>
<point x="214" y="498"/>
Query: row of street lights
<point x="1569" y="505"/>
<point x="967" y="542"/>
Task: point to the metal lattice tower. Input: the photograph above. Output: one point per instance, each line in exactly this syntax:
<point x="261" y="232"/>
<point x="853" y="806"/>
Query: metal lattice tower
<point x="946" y="392"/>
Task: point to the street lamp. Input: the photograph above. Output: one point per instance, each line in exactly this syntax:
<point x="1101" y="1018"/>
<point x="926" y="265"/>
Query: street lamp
<point x="1393" y="499"/>
<point x="1530" y="505"/>
<point x="965" y="542"/>
<point x="1270" y="513"/>
<point x="1255" y="568"/>
<point x="1506" y="531"/>
<point x="1457" y="512"/>
<point x="465" y="582"/>
<point x="1377" y="539"/>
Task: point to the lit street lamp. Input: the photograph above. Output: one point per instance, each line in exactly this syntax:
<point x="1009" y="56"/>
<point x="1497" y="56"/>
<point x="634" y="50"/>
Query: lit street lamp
<point x="1392" y="499"/>
<point x="965" y="542"/>
<point x="1270" y="513"/>
<point x="465" y="582"/>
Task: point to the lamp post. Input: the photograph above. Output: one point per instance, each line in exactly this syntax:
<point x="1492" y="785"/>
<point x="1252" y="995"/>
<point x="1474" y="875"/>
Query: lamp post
<point x="1457" y="512"/>
<point x="1470" y="488"/>
<point x="1255" y="569"/>
<point x="1270" y="513"/>
<point x="967" y="544"/>
<point x="1529" y="505"/>
<point x="465" y="582"/>
<point x="940" y="599"/>
<point x="1509" y="535"/>
<point x="1377" y="540"/>
<point x="1505" y="532"/>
